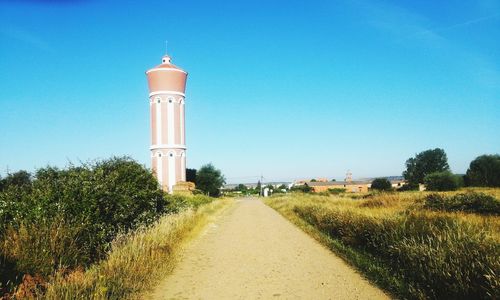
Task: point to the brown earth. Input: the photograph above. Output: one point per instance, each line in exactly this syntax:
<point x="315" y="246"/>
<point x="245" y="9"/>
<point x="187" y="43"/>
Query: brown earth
<point x="252" y="252"/>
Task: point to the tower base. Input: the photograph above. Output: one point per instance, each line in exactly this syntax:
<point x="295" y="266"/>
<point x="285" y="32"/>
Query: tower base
<point x="184" y="188"/>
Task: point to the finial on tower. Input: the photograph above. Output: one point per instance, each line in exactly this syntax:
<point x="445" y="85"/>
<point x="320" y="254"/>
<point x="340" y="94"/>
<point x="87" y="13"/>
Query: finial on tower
<point x="166" y="59"/>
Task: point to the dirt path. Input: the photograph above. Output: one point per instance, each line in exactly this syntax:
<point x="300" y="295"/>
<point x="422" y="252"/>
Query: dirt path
<point x="252" y="252"/>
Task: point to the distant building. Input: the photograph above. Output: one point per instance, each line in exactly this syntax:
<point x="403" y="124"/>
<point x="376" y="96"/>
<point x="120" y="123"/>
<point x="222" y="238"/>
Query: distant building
<point x="348" y="186"/>
<point x="360" y="186"/>
<point x="277" y="184"/>
<point x="304" y="181"/>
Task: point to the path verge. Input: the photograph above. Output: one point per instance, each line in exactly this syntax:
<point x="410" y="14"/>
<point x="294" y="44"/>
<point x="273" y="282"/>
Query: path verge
<point x="137" y="260"/>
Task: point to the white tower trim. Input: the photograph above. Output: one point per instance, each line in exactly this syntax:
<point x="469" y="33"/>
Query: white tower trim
<point x="159" y="168"/>
<point x="181" y="121"/>
<point x="171" y="171"/>
<point x="158" y="120"/>
<point x="170" y="120"/>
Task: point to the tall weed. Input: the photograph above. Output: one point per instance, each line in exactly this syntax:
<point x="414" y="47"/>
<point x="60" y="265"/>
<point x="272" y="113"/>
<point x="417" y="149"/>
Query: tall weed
<point x="439" y="255"/>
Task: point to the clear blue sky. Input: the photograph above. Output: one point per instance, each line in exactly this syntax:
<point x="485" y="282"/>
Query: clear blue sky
<point x="287" y="89"/>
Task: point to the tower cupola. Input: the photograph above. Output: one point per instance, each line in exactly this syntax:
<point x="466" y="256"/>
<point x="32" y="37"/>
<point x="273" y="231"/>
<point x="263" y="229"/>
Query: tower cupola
<point x="166" y="59"/>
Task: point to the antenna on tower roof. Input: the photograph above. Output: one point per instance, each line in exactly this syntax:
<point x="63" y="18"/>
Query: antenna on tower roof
<point x="166" y="47"/>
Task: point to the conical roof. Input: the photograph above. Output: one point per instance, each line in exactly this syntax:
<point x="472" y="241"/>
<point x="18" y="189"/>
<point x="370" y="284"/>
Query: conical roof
<point x="166" y="64"/>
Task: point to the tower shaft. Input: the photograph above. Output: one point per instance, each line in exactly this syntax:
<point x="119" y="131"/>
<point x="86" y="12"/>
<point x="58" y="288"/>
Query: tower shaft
<point x="167" y="109"/>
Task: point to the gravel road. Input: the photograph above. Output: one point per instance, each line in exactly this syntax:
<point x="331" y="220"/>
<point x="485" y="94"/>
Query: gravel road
<point x="252" y="252"/>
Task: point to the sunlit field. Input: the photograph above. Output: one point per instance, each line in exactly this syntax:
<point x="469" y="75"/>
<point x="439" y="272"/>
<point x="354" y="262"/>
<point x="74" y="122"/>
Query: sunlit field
<point x="406" y="243"/>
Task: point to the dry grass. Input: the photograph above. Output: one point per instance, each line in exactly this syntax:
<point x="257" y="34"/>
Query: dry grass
<point x="406" y="249"/>
<point x="137" y="261"/>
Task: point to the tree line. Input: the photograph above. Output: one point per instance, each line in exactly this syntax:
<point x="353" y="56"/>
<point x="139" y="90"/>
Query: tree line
<point x="431" y="168"/>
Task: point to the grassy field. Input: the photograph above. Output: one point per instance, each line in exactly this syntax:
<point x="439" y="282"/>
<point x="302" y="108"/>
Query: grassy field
<point x="135" y="263"/>
<point x="401" y="245"/>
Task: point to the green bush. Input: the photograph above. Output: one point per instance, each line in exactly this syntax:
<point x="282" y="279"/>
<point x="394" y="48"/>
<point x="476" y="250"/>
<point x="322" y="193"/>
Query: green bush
<point x="408" y="187"/>
<point x="381" y="184"/>
<point x="177" y="203"/>
<point x="442" y="181"/>
<point x="469" y="202"/>
<point x="301" y="188"/>
<point x="66" y="218"/>
<point x="86" y="206"/>
<point x="336" y="191"/>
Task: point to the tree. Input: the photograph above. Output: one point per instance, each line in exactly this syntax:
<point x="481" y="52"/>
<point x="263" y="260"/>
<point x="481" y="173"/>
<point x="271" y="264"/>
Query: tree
<point x="210" y="180"/>
<point x="442" y="181"/>
<point x="424" y="163"/>
<point x="20" y="179"/>
<point x="258" y="187"/>
<point x="381" y="184"/>
<point x="484" y="171"/>
<point x="191" y="175"/>
<point x="313" y="180"/>
<point x="282" y="187"/>
<point x="240" y="187"/>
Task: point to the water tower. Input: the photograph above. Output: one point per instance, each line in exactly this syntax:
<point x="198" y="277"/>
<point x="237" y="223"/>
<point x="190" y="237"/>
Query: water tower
<point x="167" y="84"/>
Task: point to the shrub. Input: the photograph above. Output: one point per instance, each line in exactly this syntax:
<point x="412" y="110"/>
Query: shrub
<point x="381" y="184"/>
<point x="469" y="202"/>
<point x="442" y="181"/>
<point x="66" y="218"/>
<point x="408" y="187"/>
<point x="336" y="191"/>
<point x="301" y="188"/>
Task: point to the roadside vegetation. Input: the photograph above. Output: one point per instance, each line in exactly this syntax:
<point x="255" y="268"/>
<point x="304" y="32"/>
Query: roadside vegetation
<point x="137" y="261"/>
<point x="416" y="245"/>
<point x="96" y="230"/>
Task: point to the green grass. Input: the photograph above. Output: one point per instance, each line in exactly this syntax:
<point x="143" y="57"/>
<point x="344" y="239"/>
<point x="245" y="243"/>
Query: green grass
<point x="409" y="251"/>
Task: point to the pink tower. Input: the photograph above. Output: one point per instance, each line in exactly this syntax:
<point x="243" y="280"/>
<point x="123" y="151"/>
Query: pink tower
<point x="167" y="84"/>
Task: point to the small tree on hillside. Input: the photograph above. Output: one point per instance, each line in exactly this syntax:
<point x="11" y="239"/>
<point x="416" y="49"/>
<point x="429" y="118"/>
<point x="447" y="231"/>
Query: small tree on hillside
<point x="210" y="180"/>
<point x="442" y="181"/>
<point x="381" y="184"/>
<point x="484" y="171"/>
<point x="425" y="163"/>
